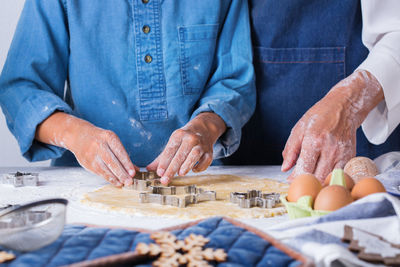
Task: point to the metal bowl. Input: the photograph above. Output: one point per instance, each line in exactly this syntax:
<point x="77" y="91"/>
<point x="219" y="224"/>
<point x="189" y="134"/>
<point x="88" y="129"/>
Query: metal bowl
<point x="32" y="226"/>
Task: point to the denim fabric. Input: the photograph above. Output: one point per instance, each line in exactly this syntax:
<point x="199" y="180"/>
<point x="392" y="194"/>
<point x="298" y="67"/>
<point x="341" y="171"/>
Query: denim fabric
<point x="201" y="60"/>
<point x="301" y="50"/>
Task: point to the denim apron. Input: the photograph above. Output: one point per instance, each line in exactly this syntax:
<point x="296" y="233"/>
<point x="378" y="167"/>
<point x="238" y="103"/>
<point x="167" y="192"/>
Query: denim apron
<point x="301" y="49"/>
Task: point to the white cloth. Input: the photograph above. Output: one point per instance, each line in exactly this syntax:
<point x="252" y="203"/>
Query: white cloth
<point x="381" y="35"/>
<point x="320" y="238"/>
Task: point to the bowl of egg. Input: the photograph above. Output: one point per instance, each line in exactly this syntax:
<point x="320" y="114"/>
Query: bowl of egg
<point x="308" y="197"/>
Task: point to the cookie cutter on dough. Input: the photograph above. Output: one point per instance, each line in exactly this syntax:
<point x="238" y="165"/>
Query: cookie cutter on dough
<point x="19" y="179"/>
<point x="177" y="196"/>
<point x="143" y="180"/>
<point x="149" y="182"/>
<point x="255" y="198"/>
<point x="178" y="201"/>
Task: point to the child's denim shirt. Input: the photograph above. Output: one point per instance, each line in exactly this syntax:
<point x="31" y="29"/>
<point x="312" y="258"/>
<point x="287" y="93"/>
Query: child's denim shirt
<point x="141" y="68"/>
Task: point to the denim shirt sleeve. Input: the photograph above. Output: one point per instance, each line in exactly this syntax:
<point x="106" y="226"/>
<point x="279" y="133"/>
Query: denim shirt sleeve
<point x="33" y="78"/>
<point x="230" y="92"/>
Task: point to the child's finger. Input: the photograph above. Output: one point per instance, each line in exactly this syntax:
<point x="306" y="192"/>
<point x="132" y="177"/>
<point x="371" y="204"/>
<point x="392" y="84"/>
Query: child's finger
<point x="106" y="173"/>
<point x="119" y="151"/>
<point x="168" y="154"/>
<point x="204" y="162"/>
<point x="191" y="160"/>
<point x="153" y="166"/>
<point x="176" y="162"/>
<point x="115" y="166"/>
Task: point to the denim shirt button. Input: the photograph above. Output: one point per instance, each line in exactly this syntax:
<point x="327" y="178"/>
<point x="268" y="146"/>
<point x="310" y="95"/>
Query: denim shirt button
<point x="145" y="1"/>
<point x="146" y="29"/>
<point x="148" y="59"/>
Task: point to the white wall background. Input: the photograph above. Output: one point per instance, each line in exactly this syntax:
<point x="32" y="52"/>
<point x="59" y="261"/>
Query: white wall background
<point x="10" y="155"/>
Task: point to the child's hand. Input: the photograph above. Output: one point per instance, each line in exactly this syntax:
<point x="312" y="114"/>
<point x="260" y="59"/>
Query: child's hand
<point x="99" y="151"/>
<point x="190" y="147"/>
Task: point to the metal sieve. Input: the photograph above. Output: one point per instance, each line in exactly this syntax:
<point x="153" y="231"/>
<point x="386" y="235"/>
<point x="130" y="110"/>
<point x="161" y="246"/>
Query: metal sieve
<point x="32" y="226"/>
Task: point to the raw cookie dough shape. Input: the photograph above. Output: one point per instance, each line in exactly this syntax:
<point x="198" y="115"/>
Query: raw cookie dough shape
<point x="126" y="201"/>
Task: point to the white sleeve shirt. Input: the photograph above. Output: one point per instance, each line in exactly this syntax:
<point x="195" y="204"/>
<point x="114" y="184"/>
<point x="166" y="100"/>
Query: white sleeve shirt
<point x="381" y="35"/>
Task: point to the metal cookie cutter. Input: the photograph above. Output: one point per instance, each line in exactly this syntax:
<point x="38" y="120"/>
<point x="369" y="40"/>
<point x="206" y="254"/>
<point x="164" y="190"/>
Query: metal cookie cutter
<point x="178" y="201"/>
<point x="255" y="198"/>
<point x="154" y="192"/>
<point x="149" y="181"/>
<point x="21" y="179"/>
<point x="174" y="190"/>
<point x="143" y="180"/>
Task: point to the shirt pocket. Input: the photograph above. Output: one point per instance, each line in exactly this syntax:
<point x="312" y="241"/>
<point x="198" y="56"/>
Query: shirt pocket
<point x="197" y="48"/>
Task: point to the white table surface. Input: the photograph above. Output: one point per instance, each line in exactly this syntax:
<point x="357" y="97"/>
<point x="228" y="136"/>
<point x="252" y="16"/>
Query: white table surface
<point x="72" y="183"/>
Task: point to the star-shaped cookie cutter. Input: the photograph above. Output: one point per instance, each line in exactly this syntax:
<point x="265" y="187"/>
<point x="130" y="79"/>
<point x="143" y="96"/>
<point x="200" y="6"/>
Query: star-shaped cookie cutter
<point x="255" y="198"/>
<point x="19" y="179"/>
<point x="178" y="196"/>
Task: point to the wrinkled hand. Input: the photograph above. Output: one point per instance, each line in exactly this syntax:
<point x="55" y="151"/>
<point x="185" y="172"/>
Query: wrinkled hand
<point x="99" y="151"/>
<point x="190" y="147"/>
<point x="325" y="137"/>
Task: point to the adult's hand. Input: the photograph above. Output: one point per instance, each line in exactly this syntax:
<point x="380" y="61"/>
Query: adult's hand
<point x="99" y="151"/>
<point x="325" y="137"/>
<point x="190" y="147"/>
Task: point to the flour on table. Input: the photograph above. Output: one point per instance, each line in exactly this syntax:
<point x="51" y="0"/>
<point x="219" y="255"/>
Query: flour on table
<point x="123" y="200"/>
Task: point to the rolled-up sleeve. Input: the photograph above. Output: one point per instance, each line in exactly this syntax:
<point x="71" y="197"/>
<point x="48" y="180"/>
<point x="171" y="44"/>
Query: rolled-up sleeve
<point x="230" y="92"/>
<point x="381" y="35"/>
<point x="33" y="78"/>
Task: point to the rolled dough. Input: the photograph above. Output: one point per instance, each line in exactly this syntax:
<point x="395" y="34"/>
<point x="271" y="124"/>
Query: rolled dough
<point x="126" y="200"/>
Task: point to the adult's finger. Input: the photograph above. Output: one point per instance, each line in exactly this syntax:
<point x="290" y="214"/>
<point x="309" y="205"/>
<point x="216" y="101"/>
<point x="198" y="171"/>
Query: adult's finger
<point x="292" y="149"/>
<point x="191" y="160"/>
<point x="325" y="164"/>
<point x="306" y="163"/>
<point x="204" y="162"/>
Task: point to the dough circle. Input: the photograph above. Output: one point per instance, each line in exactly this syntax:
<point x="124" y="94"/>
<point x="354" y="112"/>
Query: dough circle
<point x="125" y="201"/>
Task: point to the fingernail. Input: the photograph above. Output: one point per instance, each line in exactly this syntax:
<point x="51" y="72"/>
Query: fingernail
<point x="128" y="182"/>
<point x="164" y="180"/>
<point x="131" y="173"/>
<point x="160" y="172"/>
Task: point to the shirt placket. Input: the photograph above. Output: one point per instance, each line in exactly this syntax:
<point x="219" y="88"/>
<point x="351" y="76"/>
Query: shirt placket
<point x="149" y="60"/>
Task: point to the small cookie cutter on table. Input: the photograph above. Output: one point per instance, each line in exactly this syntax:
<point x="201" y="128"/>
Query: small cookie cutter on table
<point x="255" y="198"/>
<point x="19" y="179"/>
<point x="154" y="192"/>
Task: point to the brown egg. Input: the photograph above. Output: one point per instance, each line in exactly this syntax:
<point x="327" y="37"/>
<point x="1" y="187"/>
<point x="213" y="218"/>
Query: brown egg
<point x="304" y="185"/>
<point x="349" y="181"/>
<point x="332" y="198"/>
<point x="367" y="186"/>
<point x="360" y="167"/>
